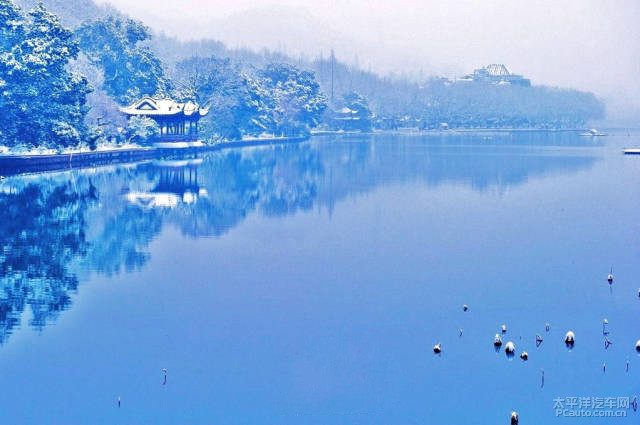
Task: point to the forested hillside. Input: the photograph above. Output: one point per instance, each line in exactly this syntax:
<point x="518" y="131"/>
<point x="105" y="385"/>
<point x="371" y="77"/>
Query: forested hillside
<point x="89" y="60"/>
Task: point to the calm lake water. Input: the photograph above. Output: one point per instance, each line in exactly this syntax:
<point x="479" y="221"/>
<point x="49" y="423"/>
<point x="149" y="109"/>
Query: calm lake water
<point x="308" y="283"/>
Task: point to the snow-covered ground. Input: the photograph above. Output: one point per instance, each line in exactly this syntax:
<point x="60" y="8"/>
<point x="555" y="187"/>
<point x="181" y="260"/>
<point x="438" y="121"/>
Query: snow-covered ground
<point x="31" y="151"/>
<point x="264" y="136"/>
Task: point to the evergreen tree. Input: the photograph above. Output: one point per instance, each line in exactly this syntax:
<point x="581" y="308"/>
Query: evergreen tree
<point x="130" y="69"/>
<point x="141" y="130"/>
<point x="298" y="101"/>
<point x="12" y="25"/>
<point x="238" y="103"/>
<point x="71" y="12"/>
<point x="360" y="107"/>
<point x="42" y="102"/>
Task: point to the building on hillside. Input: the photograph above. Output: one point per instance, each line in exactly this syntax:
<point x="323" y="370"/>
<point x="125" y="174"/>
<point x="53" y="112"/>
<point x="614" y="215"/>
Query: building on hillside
<point x="498" y="74"/>
<point x="178" y="122"/>
<point x="350" y="120"/>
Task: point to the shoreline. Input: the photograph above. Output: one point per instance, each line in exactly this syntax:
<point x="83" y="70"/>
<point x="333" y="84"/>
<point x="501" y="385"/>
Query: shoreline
<point x="11" y="165"/>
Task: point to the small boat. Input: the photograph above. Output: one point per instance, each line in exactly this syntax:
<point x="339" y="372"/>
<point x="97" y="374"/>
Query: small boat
<point x="632" y="151"/>
<point x="592" y="132"/>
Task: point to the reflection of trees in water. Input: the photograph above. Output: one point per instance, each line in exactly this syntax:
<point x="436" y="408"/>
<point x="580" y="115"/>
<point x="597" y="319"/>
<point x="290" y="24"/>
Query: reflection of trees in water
<point x="495" y="161"/>
<point x="120" y="232"/>
<point x="123" y="241"/>
<point x="276" y="180"/>
<point x="291" y="180"/>
<point x="46" y="227"/>
<point x="87" y="217"/>
<point x="231" y="185"/>
<point x="43" y="230"/>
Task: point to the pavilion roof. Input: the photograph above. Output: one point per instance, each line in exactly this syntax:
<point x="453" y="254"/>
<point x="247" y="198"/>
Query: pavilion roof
<point x="148" y="106"/>
<point x="346" y="110"/>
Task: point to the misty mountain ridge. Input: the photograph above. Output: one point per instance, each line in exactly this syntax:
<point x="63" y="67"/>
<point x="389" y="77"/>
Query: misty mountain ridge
<point x="390" y="95"/>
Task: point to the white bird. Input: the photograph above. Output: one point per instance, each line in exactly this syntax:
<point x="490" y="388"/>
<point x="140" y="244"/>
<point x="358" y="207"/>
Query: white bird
<point x="524" y="356"/>
<point x="547" y="327"/>
<point x="610" y="276"/>
<point x="514" y="418"/>
<point x="638" y="346"/>
<point x="504" y="329"/>
<point x="497" y="341"/>
<point x="437" y="348"/>
<point x="465" y="307"/>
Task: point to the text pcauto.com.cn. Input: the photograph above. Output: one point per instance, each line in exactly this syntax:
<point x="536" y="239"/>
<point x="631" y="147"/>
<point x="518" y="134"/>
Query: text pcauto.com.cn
<point x="596" y="407"/>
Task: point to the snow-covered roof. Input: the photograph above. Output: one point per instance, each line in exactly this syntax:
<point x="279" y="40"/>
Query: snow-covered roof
<point x="497" y="69"/>
<point x="148" y="106"/>
<point x="346" y="111"/>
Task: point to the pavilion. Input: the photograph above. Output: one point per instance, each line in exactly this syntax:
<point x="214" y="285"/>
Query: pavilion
<point x="178" y="122"/>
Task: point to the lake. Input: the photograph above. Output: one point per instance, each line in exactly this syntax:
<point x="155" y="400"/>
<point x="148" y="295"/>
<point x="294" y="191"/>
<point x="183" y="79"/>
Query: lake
<point x="307" y="283"/>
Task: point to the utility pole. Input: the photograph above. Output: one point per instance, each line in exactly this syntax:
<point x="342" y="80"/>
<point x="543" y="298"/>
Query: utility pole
<point x="333" y="58"/>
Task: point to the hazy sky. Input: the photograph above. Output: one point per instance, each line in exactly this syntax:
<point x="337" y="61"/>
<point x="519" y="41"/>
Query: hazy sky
<point x="585" y="44"/>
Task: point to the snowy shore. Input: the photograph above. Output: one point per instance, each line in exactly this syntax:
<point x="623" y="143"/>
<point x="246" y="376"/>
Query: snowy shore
<point x="36" y="160"/>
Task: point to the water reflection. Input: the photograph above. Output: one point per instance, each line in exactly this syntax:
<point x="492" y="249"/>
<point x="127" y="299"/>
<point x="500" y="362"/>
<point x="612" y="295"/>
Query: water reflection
<point x="43" y="229"/>
<point x="104" y="220"/>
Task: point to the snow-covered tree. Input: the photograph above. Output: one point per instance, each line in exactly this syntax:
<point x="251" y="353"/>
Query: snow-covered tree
<point x="42" y="102"/>
<point x="130" y="69"/>
<point x="359" y="106"/>
<point x="104" y="118"/>
<point x="238" y="103"/>
<point x="298" y="101"/>
<point x="141" y="130"/>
